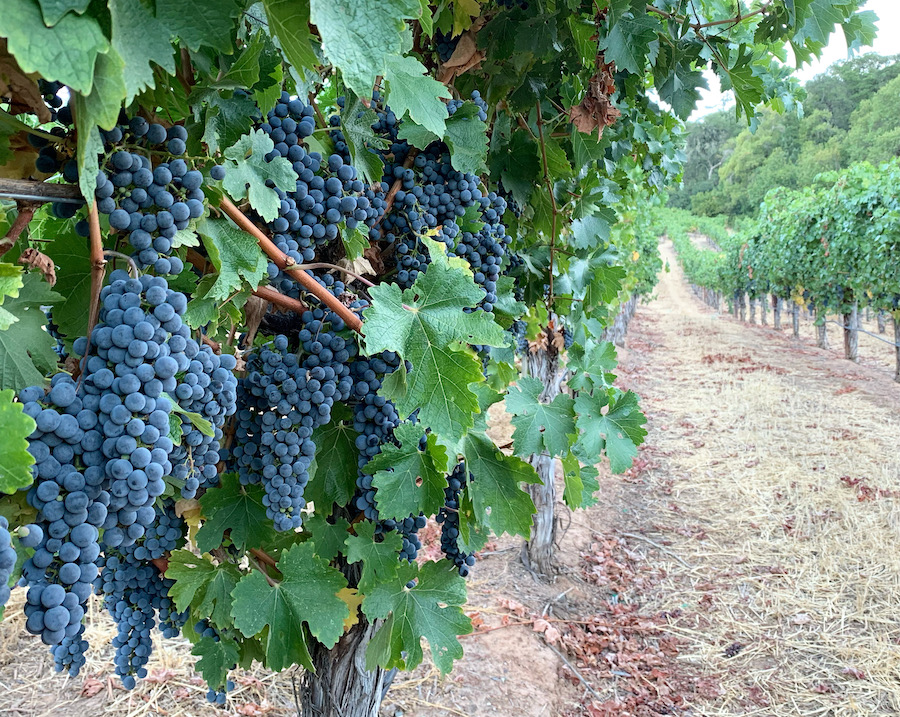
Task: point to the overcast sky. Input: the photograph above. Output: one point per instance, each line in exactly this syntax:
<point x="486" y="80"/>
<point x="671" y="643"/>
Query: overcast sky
<point x="887" y="42"/>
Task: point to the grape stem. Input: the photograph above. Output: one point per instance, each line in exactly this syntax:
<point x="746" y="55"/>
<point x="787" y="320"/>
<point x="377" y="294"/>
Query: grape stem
<point x="283" y="262"/>
<point x="135" y="272"/>
<point x="267" y="293"/>
<point x="26" y="212"/>
<point x="334" y="267"/>
<point x="389" y="200"/>
<point x="98" y="272"/>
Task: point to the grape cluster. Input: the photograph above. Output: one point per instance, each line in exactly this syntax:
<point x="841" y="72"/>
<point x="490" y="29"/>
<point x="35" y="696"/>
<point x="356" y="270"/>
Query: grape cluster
<point x="209" y="388"/>
<point x="374" y="420"/>
<point x="445" y="45"/>
<point x="327" y="193"/>
<point x="283" y="398"/>
<point x="137" y="595"/>
<point x="448" y="517"/>
<point x="519" y="330"/>
<point x="7" y="560"/>
<point x="71" y="503"/>
<point x="150" y="203"/>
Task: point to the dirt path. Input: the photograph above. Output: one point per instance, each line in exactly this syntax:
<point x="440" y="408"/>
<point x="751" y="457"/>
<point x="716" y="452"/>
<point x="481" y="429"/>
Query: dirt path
<point x="747" y="564"/>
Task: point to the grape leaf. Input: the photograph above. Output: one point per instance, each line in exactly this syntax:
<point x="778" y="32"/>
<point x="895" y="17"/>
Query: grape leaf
<point x="248" y="170"/>
<point x="140" y="39"/>
<point x="15" y="460"/>
<point x="619" y="431"/>
<point x="540" y="427"/>
<point x="227" y="118"/>
<point x="356" y="126"/>
<point x="332" y="476"/>
<point x="235" y="255"/>
<point x="380" y="560"/>
<point x="580" y="482"/>
<point x="289" y="22"/>
<point x="358" y="36"/>
<point x="10" y="283"/>
<point x="207" y="23"/>
<point x="821" y="17"/>
<point x="629" y="41"/>
<point x="108" y="92"/>
<point x="202" y="586"/>
<point x="71" y="254"/>
<point x="244" y="72"/>
<point x="355" y="240"/>
<point x="307" y="594"/>
<point x="26" y="349"/>
<point x="466" y="137"/>
<point x="432" y="609"/>
<point x="90" y="146"/>
<point x="411" y="90"/>
<point x="425" y="325"/>
<point x="54" y="10"/>
<point x="330" y="537"/>
<point x="591" y="365"/>
<point x="415" y="134"/>
<point x="604" y="286"/>
<point x="216" y="658"/>
<point x="66" y="52"/>
<point x="409" y="481"/>
<point x="236" y="508"/>
<point x="497" y="498"/>
<point x="588" y="232"/>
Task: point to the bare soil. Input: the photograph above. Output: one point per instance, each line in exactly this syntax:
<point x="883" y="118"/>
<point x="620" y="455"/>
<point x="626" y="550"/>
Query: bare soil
<point x="746" y="565"/>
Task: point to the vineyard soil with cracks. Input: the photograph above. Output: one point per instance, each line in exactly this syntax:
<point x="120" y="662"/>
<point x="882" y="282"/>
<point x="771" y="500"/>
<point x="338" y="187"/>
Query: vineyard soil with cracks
<point x="739" y="568"/>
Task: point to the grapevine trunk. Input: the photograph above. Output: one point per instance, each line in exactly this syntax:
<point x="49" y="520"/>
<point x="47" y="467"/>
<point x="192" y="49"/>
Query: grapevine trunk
<point x="341" y="686"/>
<point x="795" y="319"/>
<point x="821" y="330"/>
<point x="544" y="365"/>
<point x="851" y="334"/>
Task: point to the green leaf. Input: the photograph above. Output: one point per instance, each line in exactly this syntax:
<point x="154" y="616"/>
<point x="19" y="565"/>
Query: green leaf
<point x="248" y="171"/>
<point x="108" y="92"/>
<point x="355" y="240"/>
<point x="497" y="497"/>
<point x="466" y="137"/>
<point x="11" y="280"/>
<point x="821" y="18"/>
<point x="411" y="90"/>
<point x="540" y="426"/>
<point x="519" y="166"/>
<point x="227" y="118"/>
<point x="235" y="508"/>
<point x="628" y="42"/>
<point x="425" y="325"/>
<point x="681" y="88"/>
<point x="175" y="433"/>
<point x="202" y="586"/>
<point x="289" y="22"/>
<point x="207" y="23"/>
<point x="415" y="134"/>
<point x="244" y="72"/>
<point x="235" y="255"/>
<point x="216" y="658"/>
<point x="432" y="609"/>
<point x="605" y="285"/>
<point x="72" y="256"/>
<point x="90" y="147"/>
<point x="380" y="560"/>
<point x="54" y="10"/>
<point x="619" y="431"/>
<point x="307" y="594"/>
<point x="591" y="231"/>
<point x="26" y="350"/>
<point x="409" y="481"/>
<point x="590" y="368"/>
<point x="580" y="482"/>
<point x="332" y="476"/>
<point x="15" y="460"/>
<point x="66" y="52"/>
<point x="356" y="125"/>
<point x="330" y="537"/>
<point x="141" y="41"/>
<point x="358" y="36"/>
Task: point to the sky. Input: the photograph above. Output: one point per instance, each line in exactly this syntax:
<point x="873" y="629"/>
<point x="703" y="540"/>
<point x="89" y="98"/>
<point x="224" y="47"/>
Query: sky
<point x="887" y="42"/>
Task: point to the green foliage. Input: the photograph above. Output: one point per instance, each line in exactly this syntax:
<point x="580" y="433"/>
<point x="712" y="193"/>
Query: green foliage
<point x="581" y="150"/>
<point x="15" y="460"/>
